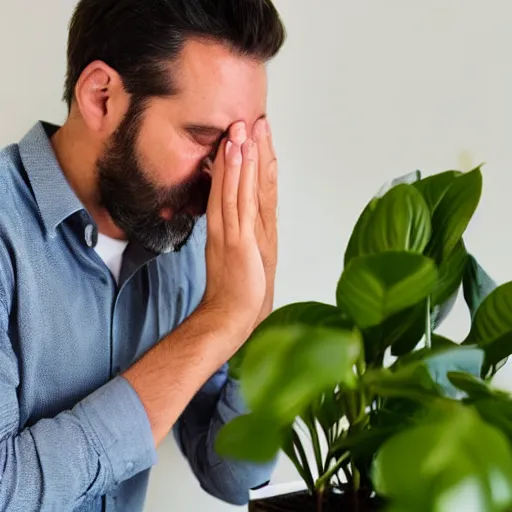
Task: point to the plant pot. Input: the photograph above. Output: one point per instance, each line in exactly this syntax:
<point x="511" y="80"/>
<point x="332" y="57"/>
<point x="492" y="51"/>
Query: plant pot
<point x="304" y="502"/>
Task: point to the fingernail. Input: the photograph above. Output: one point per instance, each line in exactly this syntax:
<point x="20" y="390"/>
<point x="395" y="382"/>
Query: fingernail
<point x="239" y="133"/>
<point x="260" y="129"/>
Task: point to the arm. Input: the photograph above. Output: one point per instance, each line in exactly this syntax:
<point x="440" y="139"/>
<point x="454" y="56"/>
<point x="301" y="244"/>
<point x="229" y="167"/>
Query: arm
<point x="220" y="401"/>
<point x="111" y="435"/>
<point x="216" y="404"/>
<point x="81" y="454"/>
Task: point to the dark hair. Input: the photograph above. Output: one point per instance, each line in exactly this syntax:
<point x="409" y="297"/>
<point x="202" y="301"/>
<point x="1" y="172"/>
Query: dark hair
<point x="138" y="38"/>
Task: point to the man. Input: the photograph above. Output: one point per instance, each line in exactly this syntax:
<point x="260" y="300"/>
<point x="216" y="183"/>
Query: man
<point x="117" y="313"/>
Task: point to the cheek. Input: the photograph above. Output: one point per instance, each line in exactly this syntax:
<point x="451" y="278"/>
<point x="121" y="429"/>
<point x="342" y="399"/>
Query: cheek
<point x="172" y="161"/>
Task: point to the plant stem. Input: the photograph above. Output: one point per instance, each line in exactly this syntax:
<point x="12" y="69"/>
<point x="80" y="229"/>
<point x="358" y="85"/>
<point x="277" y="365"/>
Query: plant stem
<point x="428" y="326"/>
<point x="326" y="477"/>
<point x="320" y="501"/>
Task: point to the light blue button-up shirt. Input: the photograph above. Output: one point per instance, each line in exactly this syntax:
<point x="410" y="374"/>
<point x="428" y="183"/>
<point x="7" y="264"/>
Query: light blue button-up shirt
<point x="73" y="433"/>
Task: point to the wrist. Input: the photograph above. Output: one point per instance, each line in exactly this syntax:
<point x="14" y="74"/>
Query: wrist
<point x="231" y="328"/>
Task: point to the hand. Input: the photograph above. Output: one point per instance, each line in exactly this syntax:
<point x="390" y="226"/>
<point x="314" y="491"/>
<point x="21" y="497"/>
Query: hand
<point x="266" y="224"/>
<point x="236" y="281"/>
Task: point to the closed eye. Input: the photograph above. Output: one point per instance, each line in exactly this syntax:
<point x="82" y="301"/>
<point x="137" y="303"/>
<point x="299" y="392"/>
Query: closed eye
<point x="208" y="136"/>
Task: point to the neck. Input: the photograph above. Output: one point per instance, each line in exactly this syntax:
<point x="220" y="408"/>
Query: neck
<point x="77" y="153"/>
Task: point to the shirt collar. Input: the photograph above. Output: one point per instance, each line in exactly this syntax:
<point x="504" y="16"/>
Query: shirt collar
<point x="54" y="196"/>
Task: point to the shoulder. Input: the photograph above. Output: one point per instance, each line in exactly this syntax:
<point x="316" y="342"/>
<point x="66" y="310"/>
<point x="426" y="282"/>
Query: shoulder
<point x="16" y="199"/>
<point x="11" y="225"/>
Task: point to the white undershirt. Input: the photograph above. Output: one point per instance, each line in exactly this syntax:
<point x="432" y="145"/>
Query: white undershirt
<point x="111" y="252"/>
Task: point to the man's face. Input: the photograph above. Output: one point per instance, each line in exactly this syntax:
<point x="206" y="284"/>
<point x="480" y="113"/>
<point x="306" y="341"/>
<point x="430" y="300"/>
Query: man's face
<point x="152" y="177"/>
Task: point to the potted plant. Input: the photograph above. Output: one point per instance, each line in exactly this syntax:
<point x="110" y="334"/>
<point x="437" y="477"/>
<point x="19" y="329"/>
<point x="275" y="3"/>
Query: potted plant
<point x="399" y="418"/>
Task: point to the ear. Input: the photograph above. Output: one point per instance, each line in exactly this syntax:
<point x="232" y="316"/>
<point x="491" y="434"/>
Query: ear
<point x="101" y="98"/>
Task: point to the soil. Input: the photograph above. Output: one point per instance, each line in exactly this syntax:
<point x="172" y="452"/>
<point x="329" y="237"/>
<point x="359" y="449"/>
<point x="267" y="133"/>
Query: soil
<point x="304" y="502"/>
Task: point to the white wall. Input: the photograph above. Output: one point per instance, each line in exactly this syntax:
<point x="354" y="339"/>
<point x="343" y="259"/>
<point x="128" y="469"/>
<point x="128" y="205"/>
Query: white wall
<point x="365" y="90"/>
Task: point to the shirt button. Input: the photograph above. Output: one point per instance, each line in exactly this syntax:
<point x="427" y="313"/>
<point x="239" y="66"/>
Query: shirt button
<point x="89" y="235"/>
<point x="129" y="467"/>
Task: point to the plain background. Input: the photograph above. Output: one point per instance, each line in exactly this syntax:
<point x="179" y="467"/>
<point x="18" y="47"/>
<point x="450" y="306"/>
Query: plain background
<point x="364" y="91"/>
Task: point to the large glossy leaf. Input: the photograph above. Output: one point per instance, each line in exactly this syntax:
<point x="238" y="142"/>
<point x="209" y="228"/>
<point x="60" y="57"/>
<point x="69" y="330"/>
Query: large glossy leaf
<point x="433" y="188"/>
<point x="300" y="313"/>
<point x="355" y="245"/>
<point x="477" y="285"/>
<point x="249" y="437"/>
<point x="453" y="461"/>
<point x="453" y="214"/>
<point x="492" y="326"/>
<point x="373" y="288"/>
<point x="287" y="368"/>
<point x="451" y="272"/>
<point x="398" y="221"/>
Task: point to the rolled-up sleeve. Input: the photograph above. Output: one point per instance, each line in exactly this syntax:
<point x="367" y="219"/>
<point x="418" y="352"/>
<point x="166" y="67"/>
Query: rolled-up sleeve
<point x="218" y="402"/>
<point x="77" y="456"/>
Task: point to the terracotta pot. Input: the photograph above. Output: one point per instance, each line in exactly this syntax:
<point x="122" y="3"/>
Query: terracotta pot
<point x="304" y="502"/>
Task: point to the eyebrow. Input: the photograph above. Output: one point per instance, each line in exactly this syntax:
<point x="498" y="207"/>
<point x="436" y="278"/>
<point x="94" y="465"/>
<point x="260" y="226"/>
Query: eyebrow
<point x="207" y="130"/>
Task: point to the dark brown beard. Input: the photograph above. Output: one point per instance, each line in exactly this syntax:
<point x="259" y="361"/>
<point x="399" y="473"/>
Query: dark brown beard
<point x="135" y="203"/>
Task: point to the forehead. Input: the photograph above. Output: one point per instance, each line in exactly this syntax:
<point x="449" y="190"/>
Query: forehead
<point x="219" y="87"/>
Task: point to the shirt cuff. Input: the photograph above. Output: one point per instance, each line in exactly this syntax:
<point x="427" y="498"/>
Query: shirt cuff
<point x="120" y="423"/>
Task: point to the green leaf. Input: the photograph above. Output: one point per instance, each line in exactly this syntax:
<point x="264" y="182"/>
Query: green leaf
<point x="474" y="387"/>
<point x="492" y="326"/>
<point x="306" y="313"/>
<point x="453" y="461"/>
<point x="373" y="288"/>
<point x="292" y="447"/>
<point x="249" y="437"/>
<point x="451" y="272"/>
<point x="354" y="247"/>
<point x="407" y="329"/>
<point x="393" y="416"/>
<point x="287" y="368"/>
<point x="497" y="411"/>
<point x="453" y="214"/>
<point x="300" y="313"/>
<point x="477" y="285"/>
<point x="410" y="325"/>
<point x="459" y="359"/>
<point x="399" y="221"/>
<point x="433" y="188"/>
<point x="444" y="357"/>
<point x="328" y="409"/>
<point x="365" y="443"/>
<point x="412" y="381"/>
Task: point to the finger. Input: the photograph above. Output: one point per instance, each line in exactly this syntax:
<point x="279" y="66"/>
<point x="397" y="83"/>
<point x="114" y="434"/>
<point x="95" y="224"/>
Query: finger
<point x="214" y="210"/>
<point x="248" y="191"/>
<point x="267" y="175"/>
<point x="230" y="191"/>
